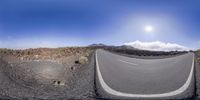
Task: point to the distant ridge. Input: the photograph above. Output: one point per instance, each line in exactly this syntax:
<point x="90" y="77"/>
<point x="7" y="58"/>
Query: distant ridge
<point x="97" y="45"/>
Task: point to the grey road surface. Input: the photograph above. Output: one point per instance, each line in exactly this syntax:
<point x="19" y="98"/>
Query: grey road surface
<point x="146" y="78"/>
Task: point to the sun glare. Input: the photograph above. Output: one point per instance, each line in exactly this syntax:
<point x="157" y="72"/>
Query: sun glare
<point x="148" y="28"/>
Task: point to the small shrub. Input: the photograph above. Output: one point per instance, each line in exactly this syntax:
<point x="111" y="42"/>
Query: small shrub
<point x="83" y="60"/>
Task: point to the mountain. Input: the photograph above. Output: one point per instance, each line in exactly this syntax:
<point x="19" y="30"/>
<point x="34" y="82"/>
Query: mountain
<point x="97" y="45"/>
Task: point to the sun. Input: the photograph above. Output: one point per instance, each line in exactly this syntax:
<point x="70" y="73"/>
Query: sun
<point x="148" y="28"/>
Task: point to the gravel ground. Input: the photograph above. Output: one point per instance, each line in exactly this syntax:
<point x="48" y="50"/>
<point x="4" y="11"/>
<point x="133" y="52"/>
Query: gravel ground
<point x="81" y="82"/>
<point x="197" y="73"/>
<point x="19" y="85"/>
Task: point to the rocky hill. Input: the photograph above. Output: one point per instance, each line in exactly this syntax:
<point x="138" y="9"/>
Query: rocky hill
<point x="46" y="53"/>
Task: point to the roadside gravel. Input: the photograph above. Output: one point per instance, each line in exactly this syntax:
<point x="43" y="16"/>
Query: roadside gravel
<point x="197" y="76"/>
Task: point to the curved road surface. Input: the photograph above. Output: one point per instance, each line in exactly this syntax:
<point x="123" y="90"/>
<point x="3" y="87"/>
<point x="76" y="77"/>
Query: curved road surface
<point x="122" y="76"/>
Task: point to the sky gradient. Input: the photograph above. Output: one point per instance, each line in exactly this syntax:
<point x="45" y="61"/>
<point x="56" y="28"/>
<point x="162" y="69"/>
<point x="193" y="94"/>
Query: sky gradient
<point x="57" y="23"/>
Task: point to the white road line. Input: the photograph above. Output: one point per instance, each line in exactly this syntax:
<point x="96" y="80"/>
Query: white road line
<point x="123" y="94"/>
<point x="127" y="62"/>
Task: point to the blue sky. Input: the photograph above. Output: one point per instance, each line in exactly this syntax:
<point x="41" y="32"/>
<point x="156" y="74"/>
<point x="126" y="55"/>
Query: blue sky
<point x="55" y="23"/>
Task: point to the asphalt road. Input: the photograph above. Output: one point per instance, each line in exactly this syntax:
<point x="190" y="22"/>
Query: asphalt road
<point x="122" y="76"/>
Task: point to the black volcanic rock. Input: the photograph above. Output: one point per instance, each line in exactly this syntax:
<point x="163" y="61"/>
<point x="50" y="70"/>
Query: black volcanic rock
<point x="127" y="47"/>
<point x="97" y="45"/>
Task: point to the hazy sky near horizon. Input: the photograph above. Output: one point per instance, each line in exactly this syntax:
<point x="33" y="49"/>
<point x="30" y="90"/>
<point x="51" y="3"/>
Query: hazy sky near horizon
<point x="55" y="23"/>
